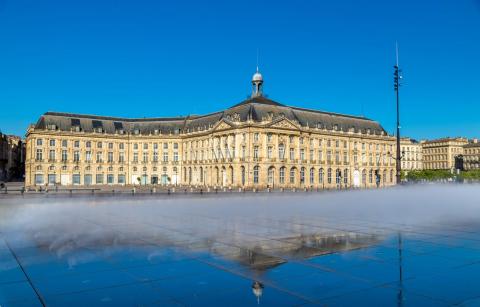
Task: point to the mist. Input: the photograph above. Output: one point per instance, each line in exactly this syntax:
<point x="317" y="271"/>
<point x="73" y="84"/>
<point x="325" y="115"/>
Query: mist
<point x="225" y="223"/>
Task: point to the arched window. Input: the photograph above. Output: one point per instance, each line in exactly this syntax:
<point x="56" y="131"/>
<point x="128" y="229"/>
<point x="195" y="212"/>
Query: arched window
<point x="320" y="175"/>
<point x="201" y="174"/>
<point x="282" y="174"/>
<point x="338" y="176"/>
<point x="189" y="175"/>
<point x="243" y="175"/>
<point x="302" y="175"/>
<point x="292" y="175"/>
<point x="255" y="174"/>
<point x="329" y="175"/>
<point x="364" y="177"/>
<point x="271" y="173"/>
<point x="370" y="176"/>
<point x="312" y="176"/>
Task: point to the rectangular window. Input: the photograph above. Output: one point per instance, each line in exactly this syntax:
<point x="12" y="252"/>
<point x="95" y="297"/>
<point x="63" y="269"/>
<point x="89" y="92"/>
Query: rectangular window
<point x="87" y="179"/>
<point x="155" y="156"/>
<point x="175" y="145"/>
<point x="64" y="156"/>
<point x="99" y="156"/>
<point x="64" y="143"/>
<point x="39" y="155"/>
<point x="302" y="154"/>
<point x="311" y="154"/>
<point x="76" y="156"/>
<point x="51" y="179"/>
<point x="269" y="137"/>
<point x="40" y="143"/>
<point x="175" y="156"/>
<point x="110" y="178"/>
<point x="121" y="146"/>
<point x="76" y="144"/>
<point x="76" y="179"/>
<point x="38" y="178"/>
<point x="135" y="157"/>
<point x="110" y="157"/>
<point x="88" y="156"/>
<point x="145" y="146"/>
<point x="52" y="143"/>
<point x="99" y="145"/>
<point x="99" y="179"/>
<point x="292" y="154"/>
<point x="51" y="155"/>
<point x="269" y="152"/>
<point x="282" y="175"/>
<point x="165" y="156"/>
<point x="255" y="152"/>
<point x="165" y="145"/>
<point x="121" y="179"/>
<point x="145" y="157"/>
<point x="121" y="157"/>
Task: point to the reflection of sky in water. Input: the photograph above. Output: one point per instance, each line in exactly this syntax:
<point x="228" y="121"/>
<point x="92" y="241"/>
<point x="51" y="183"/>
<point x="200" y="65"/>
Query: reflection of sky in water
<point x="388" y="246"/>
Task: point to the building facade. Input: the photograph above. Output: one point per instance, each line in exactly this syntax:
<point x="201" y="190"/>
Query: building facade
<point x="442" y="153"/>
<point x="12" y="157"/>
<point x="471" y="155"/>
<point x="256" y="143"/>
<point x="412" y="156"/>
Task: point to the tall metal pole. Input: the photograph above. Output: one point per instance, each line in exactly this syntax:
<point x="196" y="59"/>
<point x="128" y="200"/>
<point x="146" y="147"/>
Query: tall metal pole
<point x="397" y="77"/>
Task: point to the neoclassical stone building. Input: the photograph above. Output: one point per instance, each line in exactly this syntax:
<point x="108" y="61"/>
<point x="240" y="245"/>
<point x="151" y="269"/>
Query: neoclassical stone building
<point x="442" y="153"/>
<point x="412" y="156"/>
<point x="255" y="143"/>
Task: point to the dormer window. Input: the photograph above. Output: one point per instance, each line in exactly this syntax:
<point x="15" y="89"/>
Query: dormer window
<point x="97" y="126"/>
<point x="75" y="123"/>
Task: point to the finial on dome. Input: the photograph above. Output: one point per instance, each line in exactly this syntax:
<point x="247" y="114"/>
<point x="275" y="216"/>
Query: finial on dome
<point x="257" y="83"/>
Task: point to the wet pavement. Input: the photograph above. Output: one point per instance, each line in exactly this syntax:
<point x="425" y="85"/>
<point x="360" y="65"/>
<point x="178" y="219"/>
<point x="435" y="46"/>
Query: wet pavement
<point x="270" y="251"/>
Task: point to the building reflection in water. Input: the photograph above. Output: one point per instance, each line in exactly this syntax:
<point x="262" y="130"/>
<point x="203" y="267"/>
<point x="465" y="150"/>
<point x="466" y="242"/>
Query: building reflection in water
<point x="256" y="256"/>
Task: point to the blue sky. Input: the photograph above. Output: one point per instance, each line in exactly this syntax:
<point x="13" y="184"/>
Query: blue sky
<point x="166" y="58"/>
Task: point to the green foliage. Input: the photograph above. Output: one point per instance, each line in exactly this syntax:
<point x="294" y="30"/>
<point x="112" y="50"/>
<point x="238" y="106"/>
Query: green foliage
<point x="471" y="175"/>
<point x="429" y="175"/>
<point x="433" y="175"/>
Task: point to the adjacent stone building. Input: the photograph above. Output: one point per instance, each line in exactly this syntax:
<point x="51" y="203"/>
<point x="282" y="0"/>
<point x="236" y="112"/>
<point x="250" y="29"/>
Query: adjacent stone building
<point x="442" y="153"/>
<point x="471" y="155"/>
<point x="412" y="156"/>
<point x="12" y="157"/>
<point x="256" y="143"/>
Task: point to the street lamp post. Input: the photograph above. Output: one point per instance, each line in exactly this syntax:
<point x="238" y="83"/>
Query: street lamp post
<point x="397" y="77"/>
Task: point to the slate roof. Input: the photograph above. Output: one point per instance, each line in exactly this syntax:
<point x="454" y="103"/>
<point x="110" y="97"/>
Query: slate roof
<point x="256" y="109"/>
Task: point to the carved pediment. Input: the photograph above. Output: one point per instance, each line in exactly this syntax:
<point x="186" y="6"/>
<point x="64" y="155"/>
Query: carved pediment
<point x="222" y="125"/>
<point x="284" y="123"/>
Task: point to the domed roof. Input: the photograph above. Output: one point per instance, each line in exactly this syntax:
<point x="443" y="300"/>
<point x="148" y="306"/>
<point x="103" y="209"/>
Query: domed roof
<point x="257" y="76"/>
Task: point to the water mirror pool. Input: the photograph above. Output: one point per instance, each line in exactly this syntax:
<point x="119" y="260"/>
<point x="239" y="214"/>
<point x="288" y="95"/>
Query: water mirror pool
<point x="407" y="246"/>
